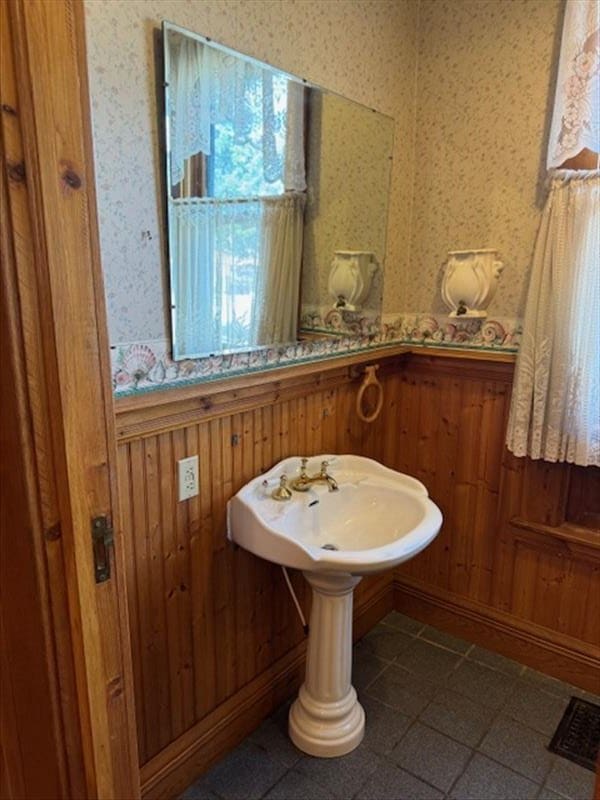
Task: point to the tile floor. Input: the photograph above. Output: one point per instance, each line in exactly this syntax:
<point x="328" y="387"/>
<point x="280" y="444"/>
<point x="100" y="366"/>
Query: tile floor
<point x="445" y="719"/>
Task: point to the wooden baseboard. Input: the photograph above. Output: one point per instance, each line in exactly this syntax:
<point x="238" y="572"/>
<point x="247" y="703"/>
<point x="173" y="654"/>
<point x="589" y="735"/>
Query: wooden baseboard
<point x="548" y="651"/>
<point x="181" y="762"/>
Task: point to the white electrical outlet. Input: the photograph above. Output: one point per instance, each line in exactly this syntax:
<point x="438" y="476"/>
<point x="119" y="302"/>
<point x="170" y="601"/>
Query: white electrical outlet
<point x="187" y="471"/>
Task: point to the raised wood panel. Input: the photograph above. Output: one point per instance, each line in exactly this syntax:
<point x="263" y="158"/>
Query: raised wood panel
<point x="518" y="535"/>
<point x="450" y="425"/>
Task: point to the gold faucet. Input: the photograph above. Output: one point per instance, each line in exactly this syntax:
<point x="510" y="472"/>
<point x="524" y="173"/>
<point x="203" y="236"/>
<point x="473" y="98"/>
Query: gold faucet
<point x="304" y="481"/>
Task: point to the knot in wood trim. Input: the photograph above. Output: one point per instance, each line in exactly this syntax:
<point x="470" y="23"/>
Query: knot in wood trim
<point x="71" y="178"/>
<point x="16" y="171"/>
<point x="53" y="532"/>
<point x="9" y="109"/>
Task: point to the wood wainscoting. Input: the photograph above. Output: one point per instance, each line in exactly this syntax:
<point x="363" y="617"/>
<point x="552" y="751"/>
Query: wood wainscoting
<point x="516" y="566"/>
<point x="216" y="641"/>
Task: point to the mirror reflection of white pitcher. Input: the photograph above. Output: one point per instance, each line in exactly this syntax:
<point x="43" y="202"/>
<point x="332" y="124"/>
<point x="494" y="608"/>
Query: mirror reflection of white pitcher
<point x="470" y="281"/>
<point x="350" y="278"/>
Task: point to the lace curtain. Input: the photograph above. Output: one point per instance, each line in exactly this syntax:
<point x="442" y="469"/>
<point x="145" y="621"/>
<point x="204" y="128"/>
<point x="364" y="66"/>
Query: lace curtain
<point x="236" y="254"/>
<point x="278" y="289"/>
<point x="238" y="278"/>
<point x="576" y="117"/>
<point x="217" y="248"/>
<point x="555" y="406"/>
<point x="209" y="87"/>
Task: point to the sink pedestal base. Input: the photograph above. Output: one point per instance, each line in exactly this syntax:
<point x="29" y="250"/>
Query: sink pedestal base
<point x="326" y="720"/>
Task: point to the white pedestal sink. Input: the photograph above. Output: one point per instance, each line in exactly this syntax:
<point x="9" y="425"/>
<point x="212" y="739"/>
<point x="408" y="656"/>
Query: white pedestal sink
<point x="375" y="520"/>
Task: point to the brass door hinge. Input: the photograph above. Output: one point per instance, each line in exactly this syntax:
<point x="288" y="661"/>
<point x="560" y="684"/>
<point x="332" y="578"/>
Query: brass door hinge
<point x="102" y="539"/>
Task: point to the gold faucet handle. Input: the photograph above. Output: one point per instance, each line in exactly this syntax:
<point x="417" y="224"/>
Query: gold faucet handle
<point x="282" y="492"/>
<point x="303" y="463"/>
<point x="324" y="465"/>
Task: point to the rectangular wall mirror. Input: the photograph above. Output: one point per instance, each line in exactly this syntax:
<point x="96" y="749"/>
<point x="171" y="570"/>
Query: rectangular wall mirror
<point x="277" y="198"/>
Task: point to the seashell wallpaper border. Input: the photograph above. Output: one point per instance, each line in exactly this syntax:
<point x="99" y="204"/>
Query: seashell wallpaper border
<point x="147" y="366"/>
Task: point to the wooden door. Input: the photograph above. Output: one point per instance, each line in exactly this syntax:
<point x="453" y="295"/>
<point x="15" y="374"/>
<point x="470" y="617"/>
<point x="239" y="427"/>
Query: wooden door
<point x="67" y="701"/>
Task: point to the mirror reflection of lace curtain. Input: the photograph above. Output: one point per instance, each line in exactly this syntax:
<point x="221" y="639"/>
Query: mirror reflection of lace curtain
<point x="209" y="87"/>
<point x="216" y="247"/>
<point x="278" y="286"/>
<point x="236" y="255"/>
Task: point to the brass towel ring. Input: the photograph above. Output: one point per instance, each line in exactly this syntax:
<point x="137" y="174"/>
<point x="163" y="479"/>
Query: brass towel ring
<point x="370" y="379"/>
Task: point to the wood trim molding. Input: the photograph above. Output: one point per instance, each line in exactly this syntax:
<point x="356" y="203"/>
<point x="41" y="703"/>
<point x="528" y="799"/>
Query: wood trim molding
<point x="464" y="354"/>
<point x="484" y="366"/>
<point x="52" y="222"/>
<point x="169" y="409"/>
<point x="176" y="767"/>
<point x="250" y="380"/>
<point x="579" y="541"/>
<point x="540" y="648"/>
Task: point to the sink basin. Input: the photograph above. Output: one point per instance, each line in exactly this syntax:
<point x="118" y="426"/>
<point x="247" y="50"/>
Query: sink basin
<point x="375" y="519"/>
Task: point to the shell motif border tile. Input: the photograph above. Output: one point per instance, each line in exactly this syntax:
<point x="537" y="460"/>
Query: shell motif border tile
<point x="147" y="366"/>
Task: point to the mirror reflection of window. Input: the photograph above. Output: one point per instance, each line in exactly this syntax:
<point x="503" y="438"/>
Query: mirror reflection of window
<point x="236" y="201"/>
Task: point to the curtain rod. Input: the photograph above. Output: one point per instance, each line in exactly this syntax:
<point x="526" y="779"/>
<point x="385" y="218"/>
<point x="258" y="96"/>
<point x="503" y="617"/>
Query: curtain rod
<point x="209" y="201"/>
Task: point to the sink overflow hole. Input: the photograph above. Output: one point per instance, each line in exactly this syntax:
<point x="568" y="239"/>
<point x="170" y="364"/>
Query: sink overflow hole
<point x="313" y="503"/>
<point x="329" y="547"/>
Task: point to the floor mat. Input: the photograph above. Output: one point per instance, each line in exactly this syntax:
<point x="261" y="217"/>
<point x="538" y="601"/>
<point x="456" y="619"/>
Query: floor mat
<point x="578" y="734"/>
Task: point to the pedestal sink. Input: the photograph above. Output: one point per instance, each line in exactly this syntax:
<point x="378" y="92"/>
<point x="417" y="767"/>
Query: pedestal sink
<point x="377" y="518"/>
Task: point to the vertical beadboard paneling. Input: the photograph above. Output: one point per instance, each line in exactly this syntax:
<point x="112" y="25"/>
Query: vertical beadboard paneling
<point x="208" y="618"/>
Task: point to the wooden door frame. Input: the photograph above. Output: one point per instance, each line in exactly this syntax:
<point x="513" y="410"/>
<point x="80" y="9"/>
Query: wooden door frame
<point x="64" y="446"/>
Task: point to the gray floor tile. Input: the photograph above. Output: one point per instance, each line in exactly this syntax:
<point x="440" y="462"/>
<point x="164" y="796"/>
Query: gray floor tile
<point x="428" y="661"/>
<point x="589" y="696"/>
<point x="570" y="780"/>
<point x="383" y="642"/>
<point x="199" y="791"/>
<point x="481" y="684"/>
<point x="445" y="639"/>
<point x="384" y="726"/>
<point x="403" y="623"/>
<point x="519" y="748"/>
<point x="548" y="794"/>
<point x="246" y="773"/>
<point x="344" y="776"/>
<point x="272" y="736"/>
<point x="296" y="786"/>
<point x="458" y="716"/>
<point x="484" y="779"/>
<point x="495" y="661"/>
<point x="534" y="708"/>
<point x="402" y="690"/>
<point x="392" y="783"/>
<point x="559" y="688"/>
<point x="431" y="756"/>
<point x="365" y="668"/>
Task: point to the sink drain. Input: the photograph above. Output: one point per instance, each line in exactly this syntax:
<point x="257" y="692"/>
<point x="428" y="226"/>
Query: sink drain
<point x="329" y="547"/>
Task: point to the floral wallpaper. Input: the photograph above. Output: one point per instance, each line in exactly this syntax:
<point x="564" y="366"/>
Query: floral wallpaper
<point x="363" y="49"/>
<point x="485" y="88"/>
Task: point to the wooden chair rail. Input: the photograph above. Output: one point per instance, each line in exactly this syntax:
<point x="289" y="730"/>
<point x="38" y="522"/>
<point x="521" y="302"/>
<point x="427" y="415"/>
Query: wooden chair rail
<point x="153" y="412"/>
